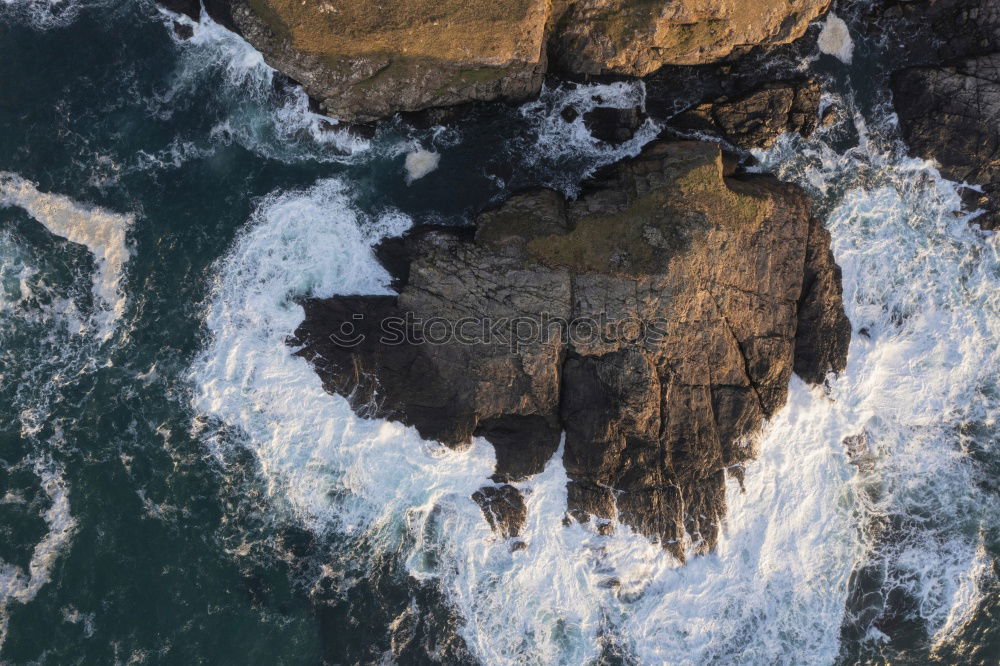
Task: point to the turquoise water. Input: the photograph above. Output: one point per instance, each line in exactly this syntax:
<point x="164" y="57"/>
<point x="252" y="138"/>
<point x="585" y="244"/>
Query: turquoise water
<point x="176" y="488"/>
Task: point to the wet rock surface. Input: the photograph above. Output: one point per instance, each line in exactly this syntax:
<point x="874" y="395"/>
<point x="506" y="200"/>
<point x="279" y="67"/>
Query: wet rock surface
<point x="614" y="125"/>
<point x="951" y="114"/>
<point x="729" y="103"/>
<point x="656" y="321"/>
<point x="747" y="103"/>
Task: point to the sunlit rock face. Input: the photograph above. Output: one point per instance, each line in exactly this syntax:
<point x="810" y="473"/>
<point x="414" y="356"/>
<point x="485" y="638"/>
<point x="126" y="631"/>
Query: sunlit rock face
<point x="364" y="60"/>
<point x="655" y="321"/>
<point x="637" y="37"/>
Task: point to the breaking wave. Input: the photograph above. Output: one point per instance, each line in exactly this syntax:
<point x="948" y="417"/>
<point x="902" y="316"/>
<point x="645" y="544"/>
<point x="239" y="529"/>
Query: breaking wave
<point x="45" y="14"/>
<point x="265" y="113"/>
<point x="922" y="289"/>
<point x="572" y="591"/>
<point x="102" y="232"/>
<point x="562" y="145"/>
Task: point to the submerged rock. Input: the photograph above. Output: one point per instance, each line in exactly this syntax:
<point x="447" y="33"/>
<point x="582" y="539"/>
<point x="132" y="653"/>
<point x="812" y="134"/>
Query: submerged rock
<point x="610" y="124"/>
<point x="364" y="61"/>
<point x="655" y="321"/>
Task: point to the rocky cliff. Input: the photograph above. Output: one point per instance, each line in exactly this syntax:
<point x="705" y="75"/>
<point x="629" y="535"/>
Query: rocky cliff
<point x="365" y="60"/>
<point x="656" y="321"/>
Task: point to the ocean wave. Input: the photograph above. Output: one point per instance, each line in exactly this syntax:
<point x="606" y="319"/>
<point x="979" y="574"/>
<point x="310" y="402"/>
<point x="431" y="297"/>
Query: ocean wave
<point x="565" y="149"/>
<point x="277" y="124"/>
<point x="102" y="232"/>
<point x="44" y="14"/>
<point x="922" y="289"/>
<point x="22" y="585"/>
<point x="379" y="484"/>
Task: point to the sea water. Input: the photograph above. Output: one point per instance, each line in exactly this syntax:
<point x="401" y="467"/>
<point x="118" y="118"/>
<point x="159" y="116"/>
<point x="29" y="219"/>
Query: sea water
<point x="177" y="487"/>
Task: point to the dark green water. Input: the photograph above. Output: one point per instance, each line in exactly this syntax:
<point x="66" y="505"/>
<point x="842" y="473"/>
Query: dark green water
<point x="177" y="492"/>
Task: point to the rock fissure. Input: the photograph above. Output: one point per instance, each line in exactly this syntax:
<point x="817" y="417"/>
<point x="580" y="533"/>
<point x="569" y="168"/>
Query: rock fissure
<point x="743" y="355"/>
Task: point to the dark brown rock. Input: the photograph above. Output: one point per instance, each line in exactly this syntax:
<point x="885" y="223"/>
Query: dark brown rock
<point x="947" y="90"/>
<point x="757" y="118"/>
<point x="656" y="321"/>
<point x="613" y="125"/>
<point x="190" y="8"/>
<point x="504" y="508"/>
<point x="183" y="30"/>
<point x="951" y="113"/>
<point x="363" y="61"/>
<point x="934" y="31"/>
<point x="823" y="333"/>
<point x="221" y="11"/>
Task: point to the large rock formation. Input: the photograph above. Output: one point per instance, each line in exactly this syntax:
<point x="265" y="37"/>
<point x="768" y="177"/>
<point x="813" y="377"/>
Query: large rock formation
<point x="365" y="60"/>
<point x="656" y="321"/>
<point x="745" y="114"/>
<point x="949" y="102"/>
<point x="932" y="31"/>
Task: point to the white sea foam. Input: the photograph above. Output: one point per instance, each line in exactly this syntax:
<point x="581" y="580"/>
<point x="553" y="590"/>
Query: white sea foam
<point x="289" y="131"/>
<point x="550" y="602"/>
<point x="20" y="585"/>
<point x="975" y="582"/>
<point x="173" y="156"/>
<point x="835" y="39"/>
<point x="419" y="163"/>
<point x="101" y="231"/>
<point x="26" y="295"/>
<point x="926" y="287"/>
<point x="309" y="443"/>
<point x="565" y="143"/>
